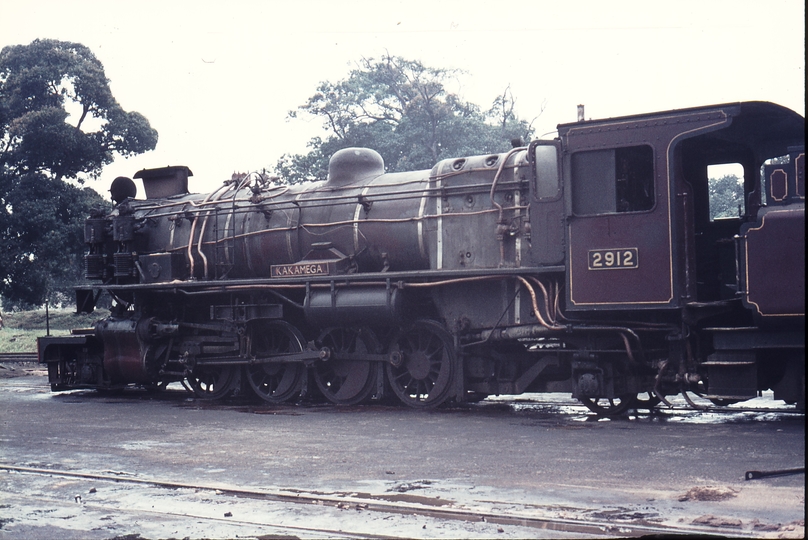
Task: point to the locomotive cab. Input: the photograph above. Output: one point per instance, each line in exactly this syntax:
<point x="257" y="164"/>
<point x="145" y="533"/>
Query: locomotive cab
<point x="718" y="223"/>
<point x="642" y="227"/>
<point x="646" y="232"/>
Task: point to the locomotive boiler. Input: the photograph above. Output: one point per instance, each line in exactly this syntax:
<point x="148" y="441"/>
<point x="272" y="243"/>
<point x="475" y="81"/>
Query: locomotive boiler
<point x="593" y="264"/>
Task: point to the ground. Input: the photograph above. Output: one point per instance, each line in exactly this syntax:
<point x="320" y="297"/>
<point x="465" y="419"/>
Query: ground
<point x="543" y="456"/>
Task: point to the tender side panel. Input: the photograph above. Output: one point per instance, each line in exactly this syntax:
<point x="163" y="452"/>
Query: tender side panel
<point x="773" y="255"/>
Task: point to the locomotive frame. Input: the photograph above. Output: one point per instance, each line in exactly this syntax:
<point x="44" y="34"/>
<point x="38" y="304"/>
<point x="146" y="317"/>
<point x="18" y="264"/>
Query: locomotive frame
<point x="586" y="264"/>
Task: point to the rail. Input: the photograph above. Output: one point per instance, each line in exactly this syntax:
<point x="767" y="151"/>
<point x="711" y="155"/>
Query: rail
<point x="381" y="504"/>
<point x="19" y="357"/>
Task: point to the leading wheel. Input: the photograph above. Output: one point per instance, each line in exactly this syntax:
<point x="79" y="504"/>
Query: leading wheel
<point x="343" y="381"/>
<point x="610" y="407"/>
<point x="212" y="382"/>
<point x="423" y="377"/>
<point x="275" y="382"/>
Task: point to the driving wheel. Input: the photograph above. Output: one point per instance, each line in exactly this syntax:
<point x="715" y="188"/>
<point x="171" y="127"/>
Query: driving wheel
<point x="423" y="375"/>
<point x="344" y="381"/>
<point x="212" y="382"/>
<point x="610" y="407"/>
<point x="647" y="400"/>
<point x="275" y="382"/>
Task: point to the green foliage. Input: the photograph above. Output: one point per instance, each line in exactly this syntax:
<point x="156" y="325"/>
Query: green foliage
<point x="58" y="121"/>
<point x="726" y="196"/>
<point x="13" y="340"/>
<point x="40" y="85"/>
<point x="21" y="328"/>
<point x="42" y="226"/>
<point x="401" y="109"/>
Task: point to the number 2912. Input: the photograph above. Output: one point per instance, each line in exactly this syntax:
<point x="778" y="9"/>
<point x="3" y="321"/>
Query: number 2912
<point x="606" y="259"/>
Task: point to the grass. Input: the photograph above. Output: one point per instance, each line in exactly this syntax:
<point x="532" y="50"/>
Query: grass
<point x="21" y="328"/>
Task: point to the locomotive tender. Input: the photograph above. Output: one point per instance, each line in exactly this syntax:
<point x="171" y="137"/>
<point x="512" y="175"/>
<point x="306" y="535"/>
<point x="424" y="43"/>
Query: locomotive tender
<point x="587" y="264"/>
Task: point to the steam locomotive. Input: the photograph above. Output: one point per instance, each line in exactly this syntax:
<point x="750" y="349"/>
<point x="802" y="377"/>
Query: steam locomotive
<point x="592" y="264"/>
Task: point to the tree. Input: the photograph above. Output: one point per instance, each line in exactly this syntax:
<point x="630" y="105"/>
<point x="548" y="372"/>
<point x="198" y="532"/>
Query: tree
<point x="41" y="84"/>
<point x="403" y="110"/>
<point x="726" y="197"/>
<point x="58" y="121"/>
<point x="43" y="239"/>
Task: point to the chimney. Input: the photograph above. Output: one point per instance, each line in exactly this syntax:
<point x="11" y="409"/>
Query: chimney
<point x="580" y="113"/>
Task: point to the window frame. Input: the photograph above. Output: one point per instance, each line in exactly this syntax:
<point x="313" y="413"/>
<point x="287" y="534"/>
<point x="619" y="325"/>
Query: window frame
<point x="556" y="145"/>
<point x="612" y="190"/>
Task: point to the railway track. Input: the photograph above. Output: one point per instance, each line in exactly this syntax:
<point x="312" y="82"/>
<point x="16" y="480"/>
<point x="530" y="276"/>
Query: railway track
<point x="525" y="519"/>
<point x="19" y="357"/>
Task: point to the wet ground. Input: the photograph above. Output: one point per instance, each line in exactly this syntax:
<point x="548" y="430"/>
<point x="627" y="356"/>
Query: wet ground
<point x="233" y="469"/>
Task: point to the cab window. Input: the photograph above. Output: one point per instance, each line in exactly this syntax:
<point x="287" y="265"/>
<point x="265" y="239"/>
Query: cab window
<point x="613" y="181"/>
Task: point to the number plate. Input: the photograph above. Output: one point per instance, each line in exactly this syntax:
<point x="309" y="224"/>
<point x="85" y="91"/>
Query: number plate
<point x="613" y="259"/>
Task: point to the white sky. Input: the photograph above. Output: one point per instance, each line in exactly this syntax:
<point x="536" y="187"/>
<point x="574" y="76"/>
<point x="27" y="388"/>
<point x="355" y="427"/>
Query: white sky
<point x="217" y="78"/>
